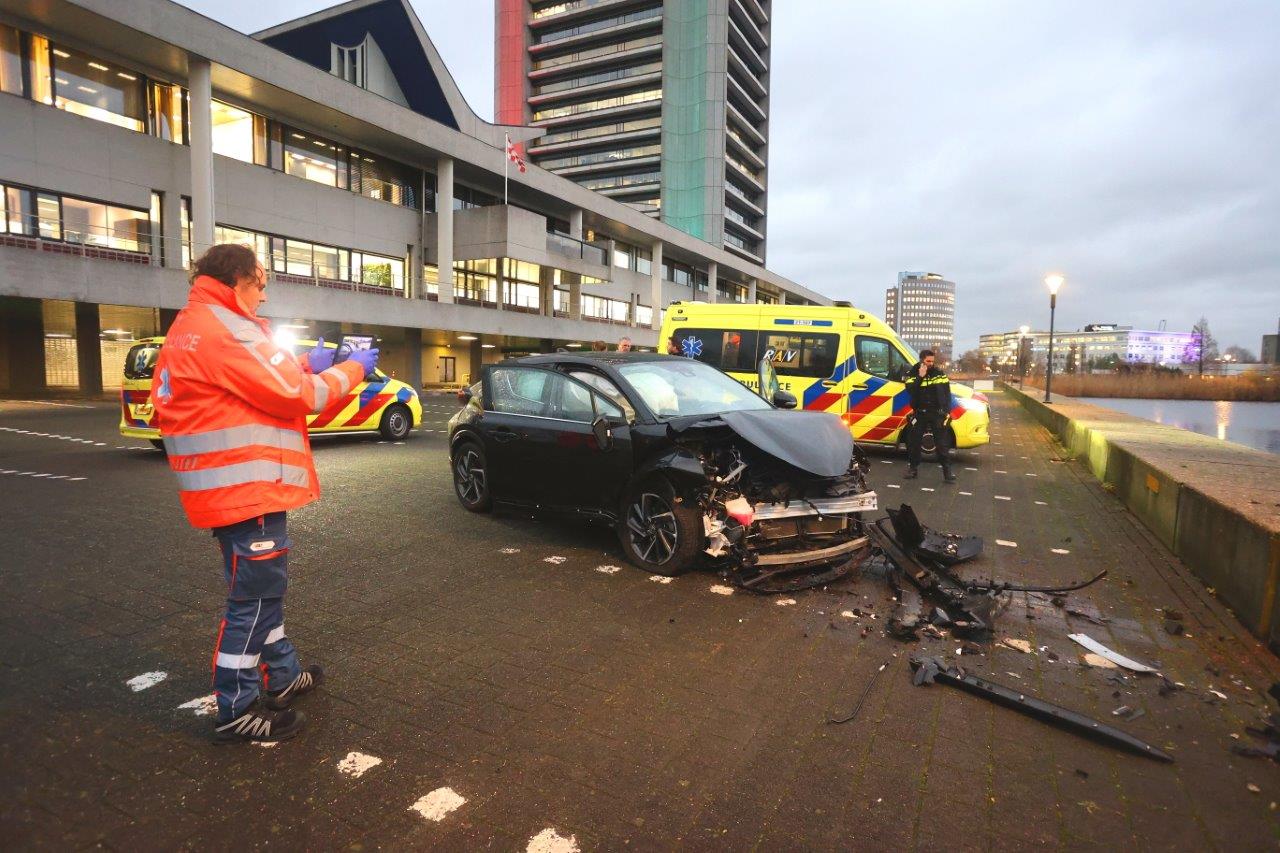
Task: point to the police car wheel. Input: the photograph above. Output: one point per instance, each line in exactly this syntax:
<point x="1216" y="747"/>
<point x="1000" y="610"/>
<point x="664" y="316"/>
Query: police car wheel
<point x="396" y="423"/>
<point x="471" y="477"/>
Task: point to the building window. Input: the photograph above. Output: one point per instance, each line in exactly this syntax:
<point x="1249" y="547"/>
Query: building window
<point x="95" y="224"/>
<point x="374" y="177"/>
<point x="465" y="198"/>
<point x="349" y="63"/>
<point x="20" y="215"/>
<point x="10" y="61"/>
<point x="314" y="158"/>
<point x="239" y="134"/>
<point x="87" y="86"/>
<point x="167" y="120"/>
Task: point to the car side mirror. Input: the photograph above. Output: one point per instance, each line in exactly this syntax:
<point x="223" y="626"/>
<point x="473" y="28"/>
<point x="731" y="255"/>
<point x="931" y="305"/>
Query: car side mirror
<point x="602" y="432"/>
<point x="784" y="399"/>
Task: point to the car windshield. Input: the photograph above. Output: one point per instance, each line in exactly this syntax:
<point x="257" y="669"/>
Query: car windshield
<point x="680" y="387"/>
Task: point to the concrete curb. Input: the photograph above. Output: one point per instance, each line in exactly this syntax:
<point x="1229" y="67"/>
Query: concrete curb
<point x="1198" y="519"/>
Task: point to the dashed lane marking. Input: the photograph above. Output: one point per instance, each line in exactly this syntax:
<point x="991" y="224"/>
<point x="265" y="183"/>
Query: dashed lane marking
<point x="202" y="706"/>
<point x="893" y="485"/>
<point x="37" y="475"/>
<point x="1003" y="498"/>
<point x="508" y="550"/>
<point x="660" y="579"/>
<point x="356" y="764"/>
<point x="1041" y="503"/>
<point x="550" y="841"/>
<point x="925" y="489"/>
<point x="967" y="494"/>
<point x="971" y="469"/>
<point x="148" y="679"/>
<point x="1060" y="550"/>
<point x="785" y="602"/>
<point x="1029" y="474"/>
<point x="1006" y="543"/>
<point x="886" y="461"/>
<point x="1001" y="472"/>
<point x="555" y="561"/>
<point x="55" y="437"/>
<point x="439" y="804"/>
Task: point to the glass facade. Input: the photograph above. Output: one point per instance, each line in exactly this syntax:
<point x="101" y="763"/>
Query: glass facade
<point x="239" y="134"/>
<point x="50" y="216"/>
<point x="87" y="86"/>
<point x="641" y="97"/>
<point x="10" y="60"/>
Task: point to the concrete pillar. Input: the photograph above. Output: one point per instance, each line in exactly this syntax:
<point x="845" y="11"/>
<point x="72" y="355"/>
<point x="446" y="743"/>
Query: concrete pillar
<point x="167" y="316"/>
<point x="575" y="223"/>
<point x="713" y="270"/>
<point x="22" y="336"/>
<point x="575" y="299"/>
<point x="202" y="213"/>
<point x="171" y="229"/>
<point x="413" y="357"/>
<point x="751" y="292"/>
<point x="782" y="297"/>
<point x="89" y="348"/>
<point x="502" y="284"/>
<point x="631" y="312"/>
<point x="444" y="226"/>
<point x="655" y="287"/>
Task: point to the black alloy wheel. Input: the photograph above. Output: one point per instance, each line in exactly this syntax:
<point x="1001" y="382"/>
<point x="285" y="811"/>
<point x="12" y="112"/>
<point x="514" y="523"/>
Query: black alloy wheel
<point x="396" y="422"/>
<point x="471" y="477"/>
<point x="658" y="533"/>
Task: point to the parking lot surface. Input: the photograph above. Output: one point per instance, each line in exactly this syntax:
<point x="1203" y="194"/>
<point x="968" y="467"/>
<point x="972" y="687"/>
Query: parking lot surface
<point x="507" y="682"/>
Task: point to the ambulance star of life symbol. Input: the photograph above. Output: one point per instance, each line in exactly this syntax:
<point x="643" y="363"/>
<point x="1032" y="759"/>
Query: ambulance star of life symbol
<point x="692" y="347"/>
<point x="165" y="392"/>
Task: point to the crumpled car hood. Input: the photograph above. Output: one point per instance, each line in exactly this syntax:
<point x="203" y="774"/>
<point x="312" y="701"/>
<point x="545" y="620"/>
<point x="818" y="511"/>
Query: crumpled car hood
<point x="816" y="442"/>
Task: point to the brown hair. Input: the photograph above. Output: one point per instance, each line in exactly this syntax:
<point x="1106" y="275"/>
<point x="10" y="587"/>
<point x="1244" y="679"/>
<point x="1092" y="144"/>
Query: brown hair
<point x="227" y="262"/>
<point x="599" y="346"/>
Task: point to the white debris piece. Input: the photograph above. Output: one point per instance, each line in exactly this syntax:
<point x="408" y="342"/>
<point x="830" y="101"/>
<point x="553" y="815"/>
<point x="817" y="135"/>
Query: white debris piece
<point x="148" y="679"/>
<point x="848" y="614"/>
<point x="438" y="804"/>
<point x="1017" y="645"/>
<point x="1098" y="661"/>
<point x="721" y="589"/>
<point x="550" y="841"/>
<point x="1116" y="658"/>
<point x="509" y="551"/>
<point x="1060" y="550"/>
<point x="357" y="764"/>
<point x="1006" y="543"/>
<point x="203" y="706"/>
<point x="608" y="570"/>
<point x="1218" y="693"/>
<point x="555" y="561"/>
<point x="266" y="744"/>
<point x="785" y="602"/>
<point x="660" y="579"/>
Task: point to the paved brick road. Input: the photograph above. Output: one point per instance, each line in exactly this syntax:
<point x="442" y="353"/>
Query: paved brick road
<point x="599" y="705"/>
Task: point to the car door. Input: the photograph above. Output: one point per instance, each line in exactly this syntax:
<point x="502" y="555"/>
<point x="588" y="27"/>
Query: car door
<point x="878" y="400"/>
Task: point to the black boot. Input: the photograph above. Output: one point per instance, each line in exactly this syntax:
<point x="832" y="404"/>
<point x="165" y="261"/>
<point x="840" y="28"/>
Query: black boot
<point x="947" y="473"/>
<point x="911" y="474"/>
<point x="309" y="679"/>
<point x="260" y="723"/>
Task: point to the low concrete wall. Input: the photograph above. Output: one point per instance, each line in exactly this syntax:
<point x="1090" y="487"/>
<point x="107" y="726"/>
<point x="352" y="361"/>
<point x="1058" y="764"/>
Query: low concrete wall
<point x="1214" y="504"/>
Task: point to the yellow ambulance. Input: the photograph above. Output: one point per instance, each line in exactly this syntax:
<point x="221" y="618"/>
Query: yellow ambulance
<point x="379" y="403"/>
<point x="835" y="359"/>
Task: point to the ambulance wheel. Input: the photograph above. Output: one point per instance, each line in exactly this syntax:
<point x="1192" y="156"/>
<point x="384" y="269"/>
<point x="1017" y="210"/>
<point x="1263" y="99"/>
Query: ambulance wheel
<point x="396" y="423"/>
<point x="158" y="444"/>
<point x="471" y="477"/>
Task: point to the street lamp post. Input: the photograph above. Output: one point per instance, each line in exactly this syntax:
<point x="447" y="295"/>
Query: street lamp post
<point x="1053" y="282"/>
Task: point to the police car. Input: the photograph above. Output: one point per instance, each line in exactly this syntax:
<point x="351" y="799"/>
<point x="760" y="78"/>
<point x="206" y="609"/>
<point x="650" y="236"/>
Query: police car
<point x="379" y="403"/>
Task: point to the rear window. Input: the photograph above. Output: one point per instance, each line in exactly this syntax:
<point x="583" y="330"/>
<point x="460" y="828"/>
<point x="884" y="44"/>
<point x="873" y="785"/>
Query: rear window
<point x="140" y="363"/>
<point x="728" y="349"/>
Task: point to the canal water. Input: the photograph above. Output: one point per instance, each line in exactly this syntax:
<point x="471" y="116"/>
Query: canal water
<point x="1252" y="424"/>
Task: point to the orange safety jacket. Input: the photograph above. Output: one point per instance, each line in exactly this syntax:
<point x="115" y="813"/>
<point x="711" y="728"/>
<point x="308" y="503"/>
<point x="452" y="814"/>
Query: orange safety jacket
<point x="232" y="408"/>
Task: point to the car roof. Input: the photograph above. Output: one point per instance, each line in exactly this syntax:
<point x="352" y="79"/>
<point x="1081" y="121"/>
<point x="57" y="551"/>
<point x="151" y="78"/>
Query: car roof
<point x="609" y="359"/>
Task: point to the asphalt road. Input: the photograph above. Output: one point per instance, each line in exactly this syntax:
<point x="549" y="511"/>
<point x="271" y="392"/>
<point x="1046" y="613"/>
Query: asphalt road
<point x="502" y="681"/>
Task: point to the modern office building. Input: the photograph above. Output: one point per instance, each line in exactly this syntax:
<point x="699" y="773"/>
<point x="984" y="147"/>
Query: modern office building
<point x="661" y="104"/>
<point x="921" y="308"/>
<point x="134" y="135"/>
<point x="1271" y="347"/>
<point x="1098" y="346"/>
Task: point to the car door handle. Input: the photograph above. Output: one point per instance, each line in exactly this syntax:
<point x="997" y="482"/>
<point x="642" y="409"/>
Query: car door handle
<point x="504" y="435"/>
<point x="861" y="387"/>
<point x="829" y="383"/>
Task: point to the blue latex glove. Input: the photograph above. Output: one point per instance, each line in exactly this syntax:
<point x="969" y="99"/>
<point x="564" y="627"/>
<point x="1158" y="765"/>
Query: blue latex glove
<point x="320" y="358"/>
<point x="366" y="358"/>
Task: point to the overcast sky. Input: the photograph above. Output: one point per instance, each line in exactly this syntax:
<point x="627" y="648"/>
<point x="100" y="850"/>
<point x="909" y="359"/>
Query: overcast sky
<point x="1132" y="146"/>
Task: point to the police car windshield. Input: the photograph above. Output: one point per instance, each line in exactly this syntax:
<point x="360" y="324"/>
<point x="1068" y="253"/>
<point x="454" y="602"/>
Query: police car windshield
<point x="140" y="363"/>
<point x="680" y="387"/>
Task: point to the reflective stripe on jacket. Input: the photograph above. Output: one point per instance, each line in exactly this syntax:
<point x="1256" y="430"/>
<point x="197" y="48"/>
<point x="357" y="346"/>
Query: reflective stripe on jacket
<point x="232" y="408"/>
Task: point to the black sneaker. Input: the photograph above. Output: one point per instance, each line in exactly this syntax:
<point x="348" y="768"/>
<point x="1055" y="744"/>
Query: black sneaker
<point x="309" y="679"/>
<point x="948" y="475"/>
<point x="911" y="474"/>
<point x="260" y="723"/>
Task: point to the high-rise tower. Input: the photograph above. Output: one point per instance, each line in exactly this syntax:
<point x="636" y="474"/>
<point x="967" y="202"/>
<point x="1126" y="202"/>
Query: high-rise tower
<point x="661" y="104"/>
<point x="921" y="308"/>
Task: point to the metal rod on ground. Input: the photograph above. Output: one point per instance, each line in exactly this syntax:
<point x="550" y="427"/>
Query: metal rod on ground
<point x="862" y="700"/>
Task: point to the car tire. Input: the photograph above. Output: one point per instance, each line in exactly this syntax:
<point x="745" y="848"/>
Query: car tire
<point x="471" y="477"/>
<point x="397" y="420"/>
<point x="659" y="533"/>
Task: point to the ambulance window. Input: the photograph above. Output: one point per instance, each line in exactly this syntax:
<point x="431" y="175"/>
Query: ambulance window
<point x="727" y="349"/>
<point x="140" y="363"/>
<point x="800" y="353"/>
<point x="878" y="357"/>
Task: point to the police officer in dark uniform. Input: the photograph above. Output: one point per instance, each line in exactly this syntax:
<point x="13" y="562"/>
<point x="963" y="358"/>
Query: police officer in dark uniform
<point x="930" y="392"/>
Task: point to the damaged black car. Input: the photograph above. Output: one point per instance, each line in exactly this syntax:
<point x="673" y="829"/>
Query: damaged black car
<point x="687" y="463"/>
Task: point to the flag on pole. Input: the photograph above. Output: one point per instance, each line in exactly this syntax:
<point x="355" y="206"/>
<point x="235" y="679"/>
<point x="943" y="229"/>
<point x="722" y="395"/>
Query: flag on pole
<point x="513" y="154"/>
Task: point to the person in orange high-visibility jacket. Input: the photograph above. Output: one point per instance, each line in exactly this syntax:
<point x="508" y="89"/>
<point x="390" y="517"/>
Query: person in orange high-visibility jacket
<point x="232" y="409"/>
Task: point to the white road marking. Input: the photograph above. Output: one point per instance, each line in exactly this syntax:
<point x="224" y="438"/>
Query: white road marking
<point x="1029" y="474"/>
<point x="38" y="475"/>
<point x="148" y="679"/>
<point x="1006" y="543"/>
<point x="886" y="461"/>
<point x="550" y="841"/>
<point x="660" y="579"/>
<point x="925" y="489"/>
<point x="969" y="494"/>
<point x="893" y="485"/>
<point x="971" y="469"/>
<point x="266" y="744"/>
<point x="1041" y="503"/>
<point x="356" y="764"/>
<point x="608" y="570"/>
<point x="555" y="561"/>
<point x="1060" y="550"/>
<point x="203" y="706"/>
<point x="76" y="479"/>
<point x="437" y="805"/>
<point x="1003" y="498"/>
<point x="720" y="589"/>
<point x="1002" y="472"/>
<point x="508" y="550"/>
<point x="785" y="602"/>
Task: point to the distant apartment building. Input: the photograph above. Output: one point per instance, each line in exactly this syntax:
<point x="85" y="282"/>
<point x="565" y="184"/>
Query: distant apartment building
<point x="1271" y="347"/>
<point x="921" y="308"/>
<point x="1096" y="346"/>
<point x="660" y="104"/>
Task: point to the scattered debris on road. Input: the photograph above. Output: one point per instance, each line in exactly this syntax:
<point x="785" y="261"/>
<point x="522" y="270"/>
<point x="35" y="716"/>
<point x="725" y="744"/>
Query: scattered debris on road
<point x="866" y="691"/>
<point x="1115" y="657"/>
